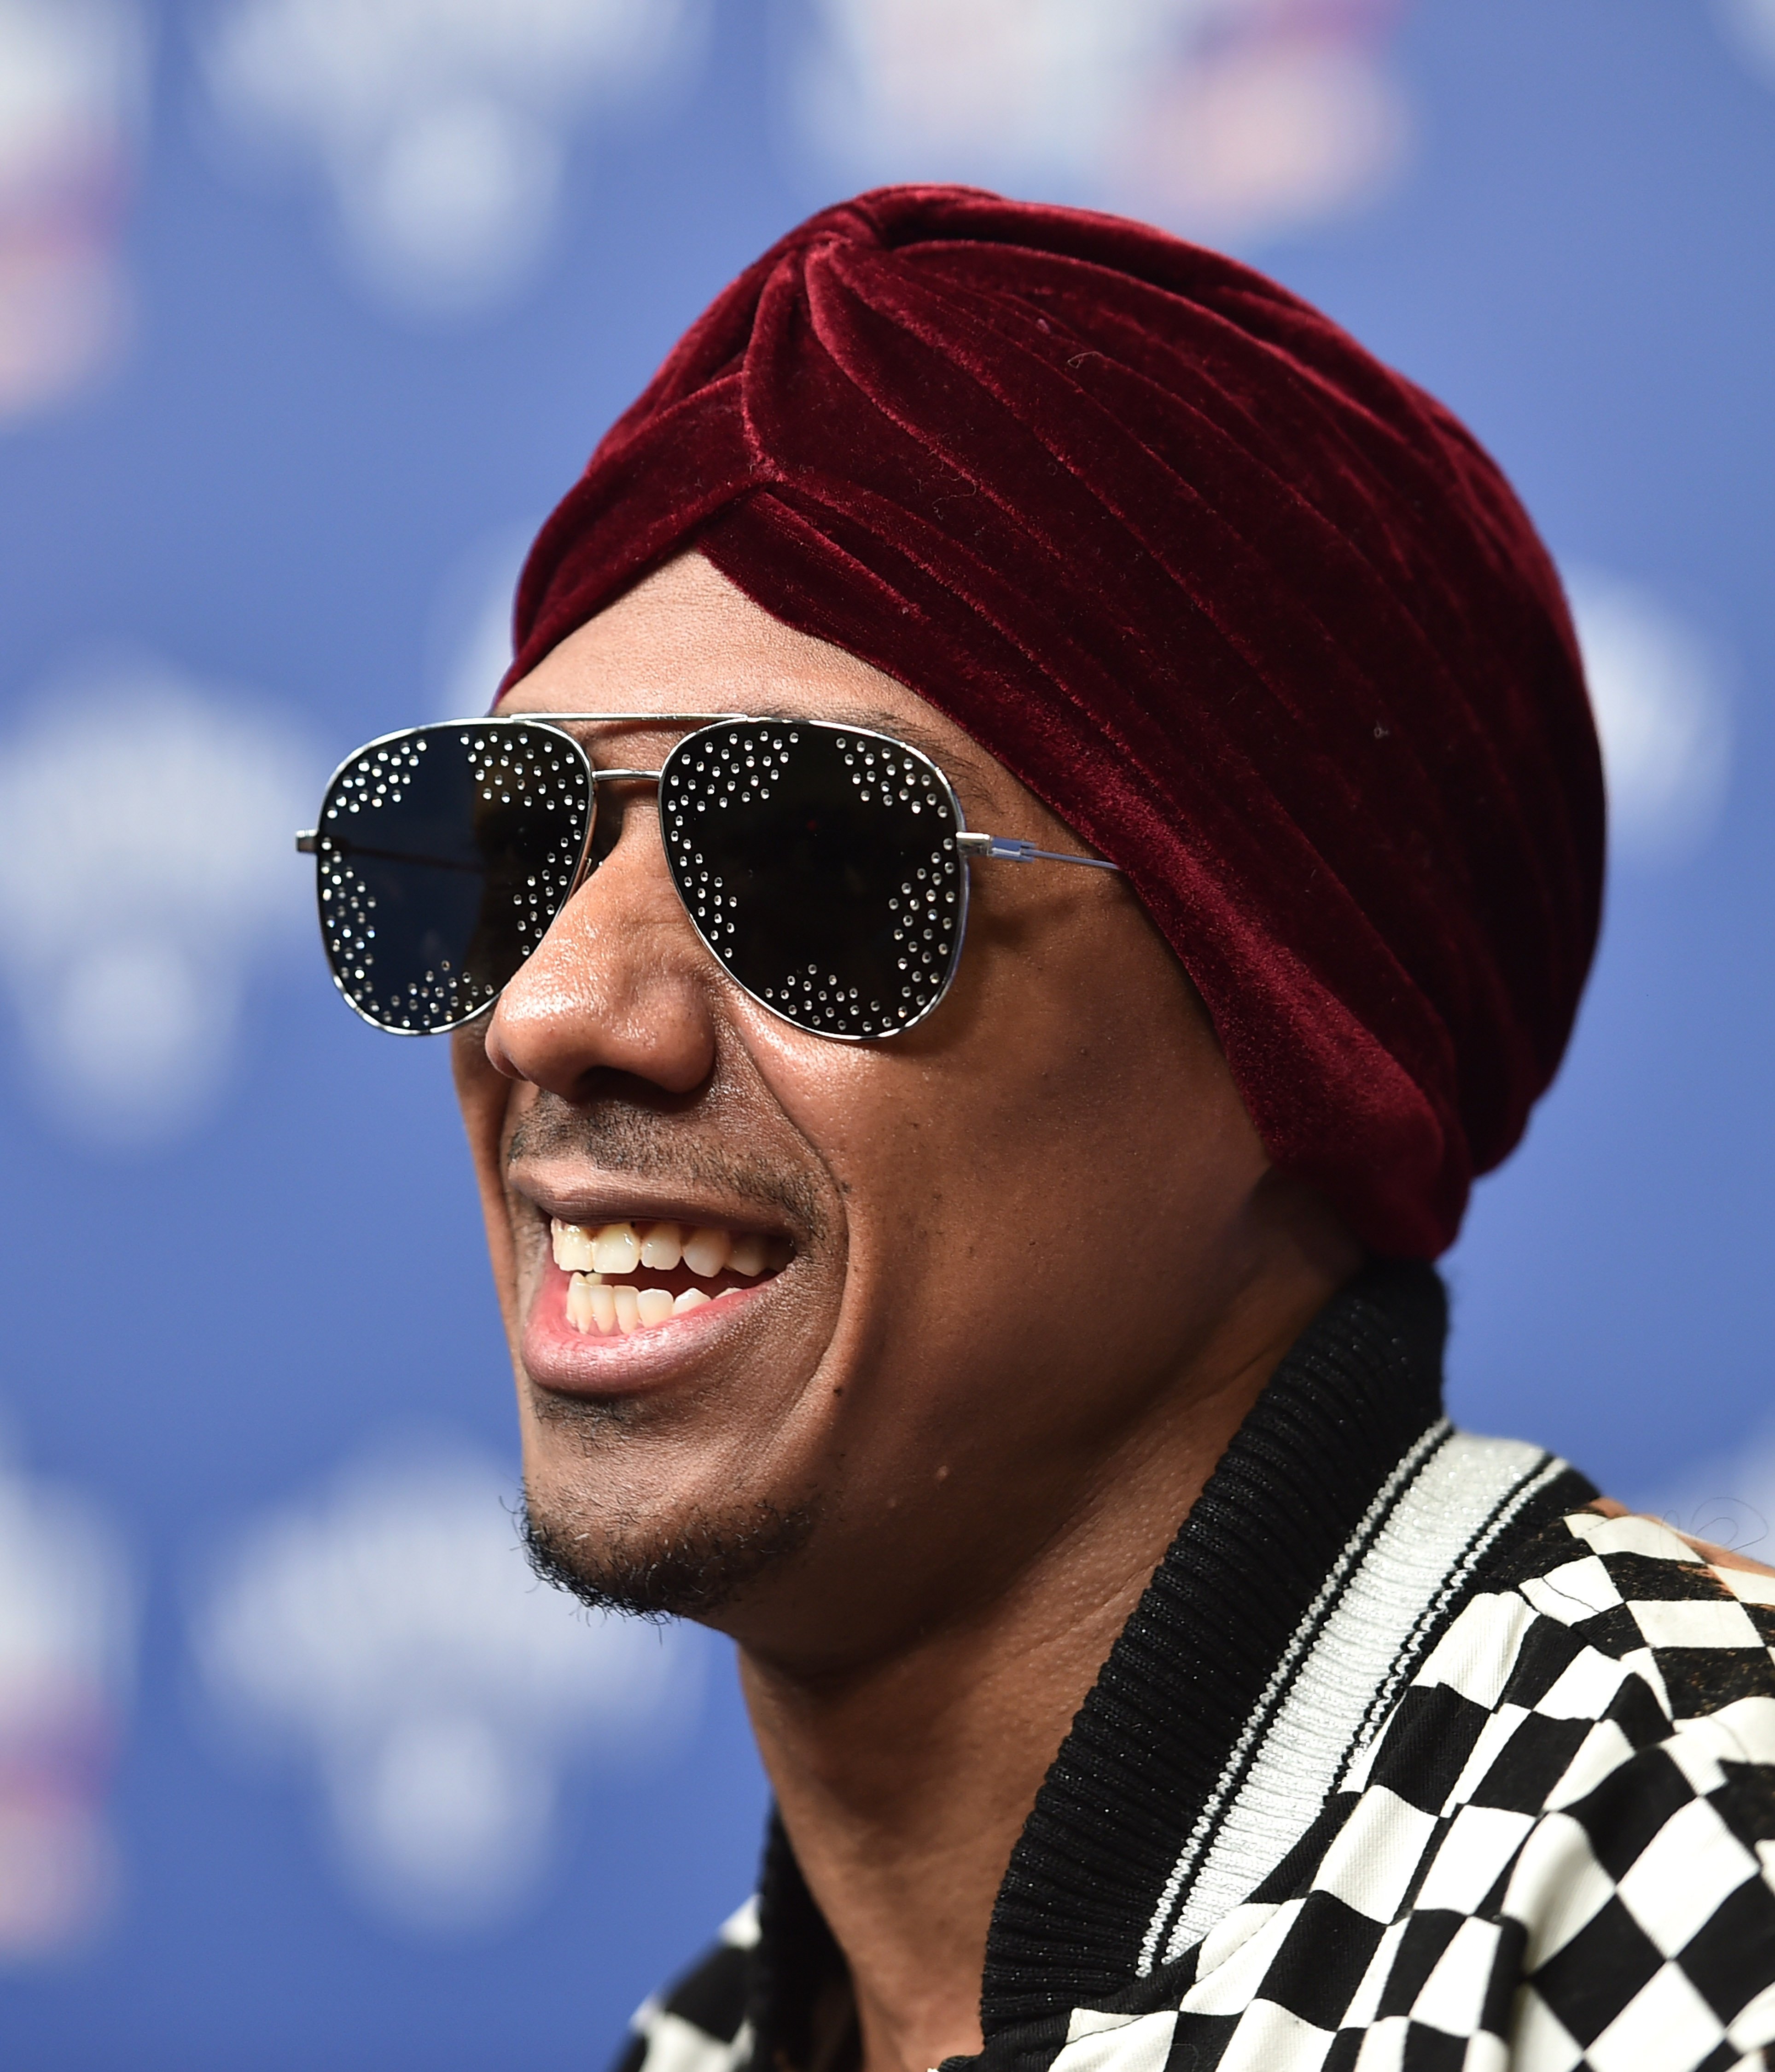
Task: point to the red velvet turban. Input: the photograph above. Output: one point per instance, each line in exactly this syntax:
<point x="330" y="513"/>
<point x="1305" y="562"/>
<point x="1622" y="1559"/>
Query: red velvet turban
<point x="1249" y="611"/>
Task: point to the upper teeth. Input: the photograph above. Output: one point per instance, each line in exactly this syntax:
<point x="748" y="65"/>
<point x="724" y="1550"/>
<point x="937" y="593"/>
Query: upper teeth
<point x="620" y="1247"/>
<point x="588" y="1254"/>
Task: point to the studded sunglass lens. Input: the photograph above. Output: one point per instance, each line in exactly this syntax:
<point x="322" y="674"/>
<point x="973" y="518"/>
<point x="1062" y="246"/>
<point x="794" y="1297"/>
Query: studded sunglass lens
<point x="444" y="854"/>
<point x="824" y="866"/>
<point x="819" y="864"/>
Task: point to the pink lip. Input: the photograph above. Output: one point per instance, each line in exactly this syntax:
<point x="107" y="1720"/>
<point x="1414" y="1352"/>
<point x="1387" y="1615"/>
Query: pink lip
<point x="571" y="1363"/>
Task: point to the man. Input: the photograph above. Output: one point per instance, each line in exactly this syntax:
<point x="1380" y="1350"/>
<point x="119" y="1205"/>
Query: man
<point x="993" y="1286"/>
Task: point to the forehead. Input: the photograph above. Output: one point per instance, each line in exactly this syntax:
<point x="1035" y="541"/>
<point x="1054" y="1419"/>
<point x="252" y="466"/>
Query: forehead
<point x="686" y="639"/>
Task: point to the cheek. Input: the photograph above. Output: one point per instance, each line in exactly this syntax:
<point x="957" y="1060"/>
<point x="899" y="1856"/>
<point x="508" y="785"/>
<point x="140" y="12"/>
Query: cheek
<point x="1093" y="1095"/>
<point x="1048" y="1174"/>
<point x="481" y="1092"/>
<point x="484" y="1098"/>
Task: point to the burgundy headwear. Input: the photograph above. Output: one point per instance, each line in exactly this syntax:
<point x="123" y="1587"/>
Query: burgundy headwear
<point x="1251" y="613"/>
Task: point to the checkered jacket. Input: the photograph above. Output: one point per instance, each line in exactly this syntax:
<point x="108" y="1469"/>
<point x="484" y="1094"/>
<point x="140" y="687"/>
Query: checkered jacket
<point x="1469" y="1775"/>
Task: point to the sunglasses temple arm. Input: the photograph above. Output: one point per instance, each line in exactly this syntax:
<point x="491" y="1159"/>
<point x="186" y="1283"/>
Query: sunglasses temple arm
<point x="1008" y="850"/>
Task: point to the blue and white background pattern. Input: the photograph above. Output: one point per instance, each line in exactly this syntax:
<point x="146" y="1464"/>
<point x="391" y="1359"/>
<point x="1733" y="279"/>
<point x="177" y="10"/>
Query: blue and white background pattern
<point x="309" y="310"/>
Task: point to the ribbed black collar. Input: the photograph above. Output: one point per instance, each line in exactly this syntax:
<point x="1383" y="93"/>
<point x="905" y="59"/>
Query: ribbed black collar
<point x="1357" y="1389"/>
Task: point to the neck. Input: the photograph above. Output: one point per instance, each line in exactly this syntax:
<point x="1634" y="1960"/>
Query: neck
<point x="903" y="1782"/>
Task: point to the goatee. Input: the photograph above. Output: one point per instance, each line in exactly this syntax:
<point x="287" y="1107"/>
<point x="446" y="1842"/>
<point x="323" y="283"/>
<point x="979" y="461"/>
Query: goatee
<point x="690" y="1573"/>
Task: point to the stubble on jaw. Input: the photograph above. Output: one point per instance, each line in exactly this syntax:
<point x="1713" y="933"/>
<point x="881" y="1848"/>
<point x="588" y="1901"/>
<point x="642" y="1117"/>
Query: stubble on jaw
<point x="692" y="1571"/>
<point x="695" y="1565"/>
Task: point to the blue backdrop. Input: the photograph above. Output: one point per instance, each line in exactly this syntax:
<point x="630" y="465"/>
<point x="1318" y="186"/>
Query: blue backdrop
<point x="289" y="360"/>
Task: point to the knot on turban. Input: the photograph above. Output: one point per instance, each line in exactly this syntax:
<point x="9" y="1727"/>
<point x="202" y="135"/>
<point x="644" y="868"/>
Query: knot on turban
<point x="1251" y="613"/>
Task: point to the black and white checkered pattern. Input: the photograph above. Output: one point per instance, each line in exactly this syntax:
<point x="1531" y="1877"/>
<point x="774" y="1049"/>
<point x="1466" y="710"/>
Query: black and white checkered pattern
<point x="1553" y="1850"/>
<point x="1557" y="1852"/>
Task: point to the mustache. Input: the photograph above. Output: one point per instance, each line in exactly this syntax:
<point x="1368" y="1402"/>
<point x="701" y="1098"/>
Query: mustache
<point x="621" y="1137"/>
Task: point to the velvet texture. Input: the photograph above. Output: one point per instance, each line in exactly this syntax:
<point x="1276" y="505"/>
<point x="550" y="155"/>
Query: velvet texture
<point x="1252" y="613"/>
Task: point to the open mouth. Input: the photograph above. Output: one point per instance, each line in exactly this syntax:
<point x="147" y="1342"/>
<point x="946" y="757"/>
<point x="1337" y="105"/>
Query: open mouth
<point x="624" y="1277"/>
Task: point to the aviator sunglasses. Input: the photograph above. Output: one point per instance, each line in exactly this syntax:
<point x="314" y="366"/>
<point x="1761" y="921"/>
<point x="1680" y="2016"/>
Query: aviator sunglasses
<point x="823" y="865"/>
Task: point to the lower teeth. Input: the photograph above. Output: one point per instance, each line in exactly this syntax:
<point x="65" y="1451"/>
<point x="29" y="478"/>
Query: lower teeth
<point x="594" y="1307"/>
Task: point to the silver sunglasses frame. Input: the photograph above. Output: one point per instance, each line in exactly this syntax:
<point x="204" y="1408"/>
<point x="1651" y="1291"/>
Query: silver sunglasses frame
<point x="979" y="847"/>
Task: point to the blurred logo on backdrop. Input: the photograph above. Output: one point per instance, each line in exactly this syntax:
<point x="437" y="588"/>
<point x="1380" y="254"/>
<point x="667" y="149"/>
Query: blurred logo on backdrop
<point x="71" y="80"/>
<point x="1660" y="689"/>
<point x="1228" y="119"/>
<point x="440" y="126"/>
<point x="66" y="1612"/>
<point x="389" y="1631"/>
<point x="1750" y="28"/>
<point x="146" y="824"/>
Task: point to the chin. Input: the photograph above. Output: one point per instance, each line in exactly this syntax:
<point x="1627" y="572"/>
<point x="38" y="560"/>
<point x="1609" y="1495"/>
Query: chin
<point x="694" y="1565"/>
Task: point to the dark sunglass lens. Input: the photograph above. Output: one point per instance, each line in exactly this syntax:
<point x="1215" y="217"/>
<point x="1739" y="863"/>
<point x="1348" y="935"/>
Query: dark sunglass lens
<point x="445" y="853"/>
<point x="819" y="866"/>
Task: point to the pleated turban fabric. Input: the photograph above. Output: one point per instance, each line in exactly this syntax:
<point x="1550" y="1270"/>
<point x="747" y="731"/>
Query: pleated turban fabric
<point x="1252" y="613"/>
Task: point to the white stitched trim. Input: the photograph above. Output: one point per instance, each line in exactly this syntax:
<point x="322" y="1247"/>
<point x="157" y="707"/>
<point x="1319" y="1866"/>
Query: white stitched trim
<point x="1456" y="1503"/>
<point x="1254" y="1726"/>
<point x="1383" y="1701"/>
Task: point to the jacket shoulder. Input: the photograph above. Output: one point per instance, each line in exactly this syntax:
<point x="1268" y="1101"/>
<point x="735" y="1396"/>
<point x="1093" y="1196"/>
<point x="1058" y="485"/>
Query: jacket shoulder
<point x="1695" y="1623"/>
<point x="698" y="2023"/>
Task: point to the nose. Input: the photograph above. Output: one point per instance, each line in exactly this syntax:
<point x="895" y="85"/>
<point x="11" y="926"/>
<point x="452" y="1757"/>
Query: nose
<point x="621" y="983"/>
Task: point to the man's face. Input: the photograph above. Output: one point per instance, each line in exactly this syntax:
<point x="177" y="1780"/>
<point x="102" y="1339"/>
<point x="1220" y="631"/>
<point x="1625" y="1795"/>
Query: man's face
<point x="1006" y="1236"/>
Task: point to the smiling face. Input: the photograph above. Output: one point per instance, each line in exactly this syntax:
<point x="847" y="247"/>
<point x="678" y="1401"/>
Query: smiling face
<point x="904" y="1311"/>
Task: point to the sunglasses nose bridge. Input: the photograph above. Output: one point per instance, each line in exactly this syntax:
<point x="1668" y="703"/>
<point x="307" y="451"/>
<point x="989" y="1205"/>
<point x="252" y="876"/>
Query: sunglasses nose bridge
<point x="596" y="850"/>
<point x="618" y="983"/>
